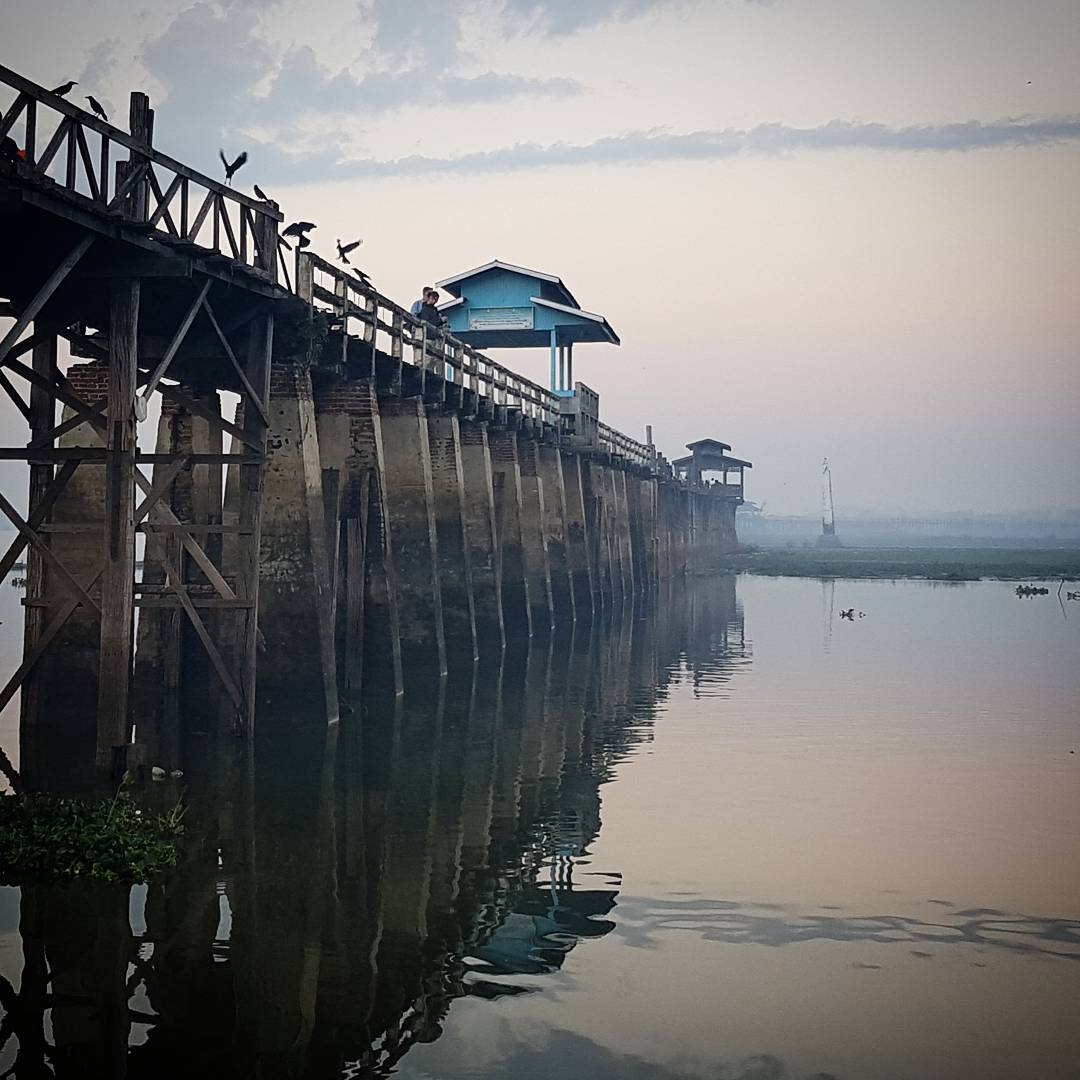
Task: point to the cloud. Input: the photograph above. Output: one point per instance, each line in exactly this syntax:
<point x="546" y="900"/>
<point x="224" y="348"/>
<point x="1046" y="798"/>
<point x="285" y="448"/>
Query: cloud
<point x="772" y="139"/>
<point x="557" y="17"/>
<point x="302" y="85"/>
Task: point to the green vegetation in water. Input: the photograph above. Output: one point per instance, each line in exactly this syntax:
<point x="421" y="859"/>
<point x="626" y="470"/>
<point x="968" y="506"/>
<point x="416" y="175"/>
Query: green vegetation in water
<point x="933" y="564"/>
<point x="49" y="837"/>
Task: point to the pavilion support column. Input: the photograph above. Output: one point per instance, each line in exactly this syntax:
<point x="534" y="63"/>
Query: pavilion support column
<point x="550" y="468"/>
<point x="454" y="562"/>
<point x="506" y="485"/>
<point x="118" y="578"/>
<point x="295" y="606"/>
<point x="410" y="503"/>
<point x="578" y="561"/>
<point x="480" y="535"/>
<point x="534" y="539"/>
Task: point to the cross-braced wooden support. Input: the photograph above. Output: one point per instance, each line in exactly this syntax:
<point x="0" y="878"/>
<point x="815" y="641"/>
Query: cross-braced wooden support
<point x="89" y="498"/>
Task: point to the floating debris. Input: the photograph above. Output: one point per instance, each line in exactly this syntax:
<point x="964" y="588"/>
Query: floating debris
<point x="1032" y="590"/>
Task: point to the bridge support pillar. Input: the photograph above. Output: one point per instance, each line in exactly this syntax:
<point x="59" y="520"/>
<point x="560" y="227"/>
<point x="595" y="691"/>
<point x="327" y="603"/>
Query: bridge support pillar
<point x="118" y="578"/>
<point x="454" y="563"/>
<point x="173" y="677"/>
<point x="624" y="532"/>
<point x="350" y="429"/>
<point x="578" y="560"/>
<point x="592" y="476"/>
<point x="295" y="599"/>
<point x="60" y="692"/>
<point x="480" y="535"/>
<point x="506" y="484"/>
<point x="550" y="469"/>
<point x="533" y="538"/>
<point x="411" y="508"/>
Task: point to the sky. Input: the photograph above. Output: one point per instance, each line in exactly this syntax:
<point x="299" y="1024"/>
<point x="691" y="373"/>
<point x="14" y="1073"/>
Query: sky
<point x="842" y="228"/>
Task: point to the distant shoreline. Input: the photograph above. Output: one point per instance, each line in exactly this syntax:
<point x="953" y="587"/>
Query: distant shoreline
<point x="931" y="564"/>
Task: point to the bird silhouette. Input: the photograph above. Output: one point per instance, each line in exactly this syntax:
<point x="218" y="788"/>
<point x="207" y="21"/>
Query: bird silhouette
<point x="361" y="275"/>
<point x="849" y="613"/>
<point x="232" y="166"/>
<point x="64" y="88"/>
<point x="298" y="229"/>
<point x="96" y="106"/>
<point x="9" y="149"/>
<point x="344" y="249"/>
<point x="260" y="194"/>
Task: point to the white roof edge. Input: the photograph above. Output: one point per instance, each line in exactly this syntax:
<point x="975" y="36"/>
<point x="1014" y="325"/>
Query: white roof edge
<point x="502" y="266"/>
<point x="451" y="303"/>
<point x="567" y="308"/>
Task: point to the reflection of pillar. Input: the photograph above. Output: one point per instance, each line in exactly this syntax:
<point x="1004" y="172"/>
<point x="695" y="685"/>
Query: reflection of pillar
<point x="87" y="938"/>
<point x="506" y="482"/>
<point x="481" y="536"/>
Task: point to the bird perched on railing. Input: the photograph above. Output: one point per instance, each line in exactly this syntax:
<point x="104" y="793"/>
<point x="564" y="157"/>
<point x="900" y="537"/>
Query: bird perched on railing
<point x="64" y="88"/>
<point x="364" y="279"/>
<point x="344" y="249"/>
<point x="298" y="230"/>
<point x="96" y="106"/>
<point x="260" y="194"/>
<point x="232" y="166"/>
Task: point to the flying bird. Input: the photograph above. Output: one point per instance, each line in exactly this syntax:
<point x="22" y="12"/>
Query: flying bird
<point x="344" y="249"/>
<point x="298" y="229"/>
<point x="260" y="194"/>
<point x="96" y="106"/>
<point x="232" y="166"/>
<point x="64" y="88"/>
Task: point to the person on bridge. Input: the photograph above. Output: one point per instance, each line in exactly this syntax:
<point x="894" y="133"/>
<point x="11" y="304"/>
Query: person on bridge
<point x="429" y="309"/>
<point x="418" y="304"/>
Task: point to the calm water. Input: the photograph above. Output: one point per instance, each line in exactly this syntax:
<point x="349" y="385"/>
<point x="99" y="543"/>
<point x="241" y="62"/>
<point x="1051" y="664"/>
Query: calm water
<point x="736" y="837"/>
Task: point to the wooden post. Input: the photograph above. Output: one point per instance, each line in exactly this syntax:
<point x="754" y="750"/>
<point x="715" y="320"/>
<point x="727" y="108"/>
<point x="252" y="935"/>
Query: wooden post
<point x="42" y="418"/>
<point x="117" y="593"/>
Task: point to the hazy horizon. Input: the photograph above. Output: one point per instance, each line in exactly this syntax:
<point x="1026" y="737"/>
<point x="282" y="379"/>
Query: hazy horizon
<point x="820" y="229"/>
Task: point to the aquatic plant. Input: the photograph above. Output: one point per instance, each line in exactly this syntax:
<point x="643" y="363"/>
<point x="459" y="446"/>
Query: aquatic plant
<point x="50" y="837"/>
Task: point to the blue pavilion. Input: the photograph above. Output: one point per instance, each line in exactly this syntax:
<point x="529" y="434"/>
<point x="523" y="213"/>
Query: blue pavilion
<point x="502" y="306"/>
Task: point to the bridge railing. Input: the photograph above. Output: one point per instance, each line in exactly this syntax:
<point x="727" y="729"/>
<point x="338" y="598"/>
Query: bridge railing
<point x="619" y="445"/>
<point x="107" y="169"/>
<point x="362" y="311"/>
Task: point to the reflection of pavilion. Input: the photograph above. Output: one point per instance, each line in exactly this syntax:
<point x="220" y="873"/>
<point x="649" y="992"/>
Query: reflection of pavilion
<point x="335" y="899"/>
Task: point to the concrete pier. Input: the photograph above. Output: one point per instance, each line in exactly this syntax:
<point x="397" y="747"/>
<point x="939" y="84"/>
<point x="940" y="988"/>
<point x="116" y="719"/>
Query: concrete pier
<point x="534" y="538"/>
<point x="506" y="482"/>
<point x="454" y="556"/>
<point x="410" y="502"/>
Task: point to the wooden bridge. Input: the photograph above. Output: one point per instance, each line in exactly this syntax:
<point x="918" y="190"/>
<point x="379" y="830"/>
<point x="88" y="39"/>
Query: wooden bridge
<point x="382" y="497"/>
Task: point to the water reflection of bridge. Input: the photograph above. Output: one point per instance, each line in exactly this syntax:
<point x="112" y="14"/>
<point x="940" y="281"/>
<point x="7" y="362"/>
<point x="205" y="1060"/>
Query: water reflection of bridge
<point x="337" y="895"/>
